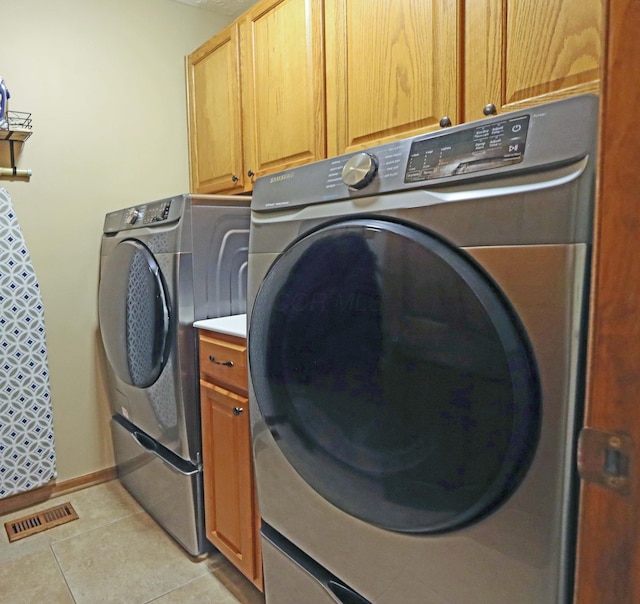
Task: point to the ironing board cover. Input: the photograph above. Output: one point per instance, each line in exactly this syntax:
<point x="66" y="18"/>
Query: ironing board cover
<point x="27" y="457"/>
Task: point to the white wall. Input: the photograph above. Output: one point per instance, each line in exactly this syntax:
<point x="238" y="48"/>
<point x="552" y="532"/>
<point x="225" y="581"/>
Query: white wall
<point x="104" y="81"/>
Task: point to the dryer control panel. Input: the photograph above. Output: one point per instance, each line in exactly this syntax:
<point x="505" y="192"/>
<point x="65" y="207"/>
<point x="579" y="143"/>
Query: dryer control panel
<point x="492" y="145"/>
<point x="527" y="140"/>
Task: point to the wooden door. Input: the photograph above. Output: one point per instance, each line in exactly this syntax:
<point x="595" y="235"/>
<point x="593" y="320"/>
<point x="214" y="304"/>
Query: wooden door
<point x="521" y="53"/>
<point x="283" y="85"/>
<point x="228" y="481"/>
<point x="608" y="568"/>
<point x="392" y="70"/>
<point x="215" y="129"/>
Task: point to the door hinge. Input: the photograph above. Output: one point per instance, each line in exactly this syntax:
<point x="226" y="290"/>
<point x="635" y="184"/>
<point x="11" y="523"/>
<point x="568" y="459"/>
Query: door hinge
<point x="604" y="458"/>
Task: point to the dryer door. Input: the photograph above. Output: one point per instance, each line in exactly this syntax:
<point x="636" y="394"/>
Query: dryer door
<point x="394" y="375"/>
<point x="134" y="314"/>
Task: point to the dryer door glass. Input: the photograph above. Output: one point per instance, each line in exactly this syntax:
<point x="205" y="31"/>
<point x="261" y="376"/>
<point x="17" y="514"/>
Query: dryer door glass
<point x="134" y="314"/>
<point x="394" y="375"/>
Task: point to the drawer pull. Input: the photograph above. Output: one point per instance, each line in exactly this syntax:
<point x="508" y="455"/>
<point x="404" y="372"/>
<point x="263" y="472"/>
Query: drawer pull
<point x="225" y="363"/>
<point x="237" y="410"/>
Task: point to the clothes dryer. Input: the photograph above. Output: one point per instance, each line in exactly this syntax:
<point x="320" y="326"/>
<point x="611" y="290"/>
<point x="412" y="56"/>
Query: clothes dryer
<point x="164" y="265"/>
<point x="417" y="328"/>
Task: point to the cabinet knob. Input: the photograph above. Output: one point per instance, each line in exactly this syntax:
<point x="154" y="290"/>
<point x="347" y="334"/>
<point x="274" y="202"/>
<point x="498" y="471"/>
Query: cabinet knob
<point x="237" y="411"/>
<point x="489" y="109"/>
<point x="251" y="173"/>
<point x="445" y="122"/>
<point x="234" y="178"/>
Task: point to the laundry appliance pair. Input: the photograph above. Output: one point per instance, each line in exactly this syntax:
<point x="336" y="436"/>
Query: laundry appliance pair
<point x="417" y="334"/>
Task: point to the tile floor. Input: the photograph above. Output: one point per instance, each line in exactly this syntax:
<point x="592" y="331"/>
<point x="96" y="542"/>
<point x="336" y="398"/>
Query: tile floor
<point x="114" y="552"/>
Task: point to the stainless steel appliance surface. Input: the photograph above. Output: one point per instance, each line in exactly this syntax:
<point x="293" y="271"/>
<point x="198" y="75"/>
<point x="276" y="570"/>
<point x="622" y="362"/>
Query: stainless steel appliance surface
<point x="417" y="327"/>
<point x="164" y="265"/>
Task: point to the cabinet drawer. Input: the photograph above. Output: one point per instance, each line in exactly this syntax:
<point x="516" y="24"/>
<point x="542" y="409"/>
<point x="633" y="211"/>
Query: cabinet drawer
<point x="224" y="361"/>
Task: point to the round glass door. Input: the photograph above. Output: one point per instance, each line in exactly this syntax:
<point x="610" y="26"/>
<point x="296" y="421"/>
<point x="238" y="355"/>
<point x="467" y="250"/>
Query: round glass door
<point x="394" y="375"/>
<point x="134" y="314"/>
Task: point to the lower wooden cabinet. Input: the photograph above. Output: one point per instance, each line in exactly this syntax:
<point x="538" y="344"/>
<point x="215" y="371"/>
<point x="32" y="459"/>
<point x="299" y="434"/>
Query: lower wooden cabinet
<point x="231" y="511"/>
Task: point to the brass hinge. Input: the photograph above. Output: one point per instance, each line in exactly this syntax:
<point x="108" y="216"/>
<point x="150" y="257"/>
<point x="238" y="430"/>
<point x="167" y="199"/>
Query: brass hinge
<point x="605" y="459"/>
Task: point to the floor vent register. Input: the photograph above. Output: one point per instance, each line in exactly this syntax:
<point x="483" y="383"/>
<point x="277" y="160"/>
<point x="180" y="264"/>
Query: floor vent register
<point x="39" y="521"/>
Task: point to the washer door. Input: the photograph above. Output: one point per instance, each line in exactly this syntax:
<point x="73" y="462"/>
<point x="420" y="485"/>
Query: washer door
<point x="394" y="375"/>
<point x="134" y="314"/>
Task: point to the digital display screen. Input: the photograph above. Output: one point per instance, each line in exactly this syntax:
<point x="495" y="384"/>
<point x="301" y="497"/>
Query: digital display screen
<point x="488" y="146"/>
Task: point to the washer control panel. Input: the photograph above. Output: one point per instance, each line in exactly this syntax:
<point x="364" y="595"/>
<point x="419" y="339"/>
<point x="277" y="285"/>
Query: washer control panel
<point x="150" y="214"/>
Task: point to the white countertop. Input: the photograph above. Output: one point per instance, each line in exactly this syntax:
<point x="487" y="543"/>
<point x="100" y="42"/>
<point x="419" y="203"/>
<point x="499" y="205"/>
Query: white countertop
<point x="235" y="325"/>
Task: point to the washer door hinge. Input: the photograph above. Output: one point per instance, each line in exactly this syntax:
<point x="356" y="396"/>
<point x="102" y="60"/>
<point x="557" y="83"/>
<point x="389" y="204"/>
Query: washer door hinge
<point x="605" y="458"/>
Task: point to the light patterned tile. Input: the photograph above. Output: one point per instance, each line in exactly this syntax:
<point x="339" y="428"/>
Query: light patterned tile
<point x="223" y="585"/>
<point x="33" y="579"/>
<point x="21" y="548"/>
<point x="236" y="583"/>
<point x="205" y="590"/>
<point x="96" y="506"/>
<point x="131" y="560"/>
<point x="115" y="552"/>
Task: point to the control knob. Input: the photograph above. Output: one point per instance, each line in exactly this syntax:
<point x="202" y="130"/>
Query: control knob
<point x="132" y="216"/>
<point x="359" y="170"/>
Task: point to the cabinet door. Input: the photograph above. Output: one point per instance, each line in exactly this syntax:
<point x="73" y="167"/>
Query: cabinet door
<point x="228" y="479"/>
<point x="215" y="130"/>
<point x="519" y="53"/>
<point x="392" y="69"/>
<point x="283" y="85"/>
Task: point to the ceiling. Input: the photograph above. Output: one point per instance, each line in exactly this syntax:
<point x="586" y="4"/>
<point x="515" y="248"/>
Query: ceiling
<point x="231" y="8"/>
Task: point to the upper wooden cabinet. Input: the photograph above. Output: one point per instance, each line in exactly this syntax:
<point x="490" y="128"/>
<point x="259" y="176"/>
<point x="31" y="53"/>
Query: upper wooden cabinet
<point x="519" y="54"/>
<point x="215" y="124"/>
<point x="392" y="69"/>
<point x="283" y="85"/>
<point x="256" y="96"/>
<point x="293" y="81"/>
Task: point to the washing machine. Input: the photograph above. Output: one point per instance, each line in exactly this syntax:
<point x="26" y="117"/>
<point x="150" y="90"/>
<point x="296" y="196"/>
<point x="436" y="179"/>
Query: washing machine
<point x="165" y="264"/>
<point x="417" y="330"/>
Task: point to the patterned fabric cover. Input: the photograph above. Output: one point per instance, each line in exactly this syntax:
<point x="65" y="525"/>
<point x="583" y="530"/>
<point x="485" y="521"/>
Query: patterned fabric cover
<point x="27" y="457"/>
